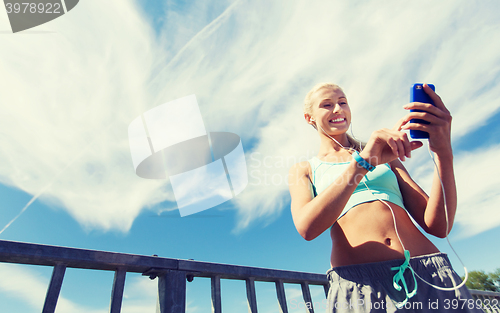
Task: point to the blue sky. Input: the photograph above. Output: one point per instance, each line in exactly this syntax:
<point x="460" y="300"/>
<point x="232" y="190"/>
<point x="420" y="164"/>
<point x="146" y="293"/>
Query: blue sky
<point x="69" y="89"/>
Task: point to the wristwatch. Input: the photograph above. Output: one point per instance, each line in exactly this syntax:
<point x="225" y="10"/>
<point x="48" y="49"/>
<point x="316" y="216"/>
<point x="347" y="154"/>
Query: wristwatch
<point x="362" y="162"/>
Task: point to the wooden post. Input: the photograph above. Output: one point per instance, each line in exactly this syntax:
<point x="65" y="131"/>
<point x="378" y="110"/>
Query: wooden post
<point x="307" y="297"/>
<point x="54" y="288"/>
<point x="172" y="292"/>
<point x="117" y="291"/>
<point x="280" y="291"/>
<point x="251" y="297"/>
<point x="216" y="296"/>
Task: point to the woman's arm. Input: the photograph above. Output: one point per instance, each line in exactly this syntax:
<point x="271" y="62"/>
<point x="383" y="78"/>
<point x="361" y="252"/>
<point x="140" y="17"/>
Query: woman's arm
<point x="431" y="214"/>
<point x="313" y="215"/>
<point x="434" y="212"/>
<point x="428" y="214"/>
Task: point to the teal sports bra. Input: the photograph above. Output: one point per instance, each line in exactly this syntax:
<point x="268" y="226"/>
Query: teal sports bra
<point x="382" y="182"/>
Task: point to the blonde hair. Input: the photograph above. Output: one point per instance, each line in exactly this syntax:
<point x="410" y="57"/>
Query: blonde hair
<point x="308" y="105"/>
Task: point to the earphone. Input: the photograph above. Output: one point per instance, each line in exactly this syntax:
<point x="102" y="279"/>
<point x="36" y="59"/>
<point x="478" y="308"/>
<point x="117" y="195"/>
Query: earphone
<point x="396" y="229"/>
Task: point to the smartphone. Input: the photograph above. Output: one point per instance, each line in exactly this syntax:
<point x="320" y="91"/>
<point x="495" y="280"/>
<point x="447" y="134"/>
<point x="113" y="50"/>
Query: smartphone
<point x="418" y="94"/>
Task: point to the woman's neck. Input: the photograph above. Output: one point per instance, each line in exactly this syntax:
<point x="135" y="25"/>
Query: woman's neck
<point x="328" y="146"/>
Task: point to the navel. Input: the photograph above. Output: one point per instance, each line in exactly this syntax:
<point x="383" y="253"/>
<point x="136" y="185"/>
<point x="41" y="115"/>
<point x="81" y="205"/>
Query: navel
<point x="388" y="241"/>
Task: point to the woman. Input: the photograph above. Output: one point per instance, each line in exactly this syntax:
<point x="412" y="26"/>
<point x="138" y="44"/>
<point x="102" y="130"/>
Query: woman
<point x="340" y="190"/>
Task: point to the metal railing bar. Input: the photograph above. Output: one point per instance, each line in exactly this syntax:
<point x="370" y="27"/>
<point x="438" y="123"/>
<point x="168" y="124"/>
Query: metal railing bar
<point x="27" y="253"/>
<point x="280" y="291"/>
<point x="307" y="297"/>
<point x="251" y="297"/>
<point x="226" y="271"/>
<point x="326" y="287"/>
<point x="216" y="295"/>
<point x="485" y="293"/>
<point x="486" y="298"/>
<point x="35" y="254"/>
<point x="54" y="289"/>
<point x="117" y="291"/>
<point x="172" y="292"/>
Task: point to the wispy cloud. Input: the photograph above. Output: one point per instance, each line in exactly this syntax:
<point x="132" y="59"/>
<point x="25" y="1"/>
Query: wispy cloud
<point x="250" y="69"/>
<point x="140" y="295"/>
<point x="478" y="194"/>
<point x="67" y="99"/>
<point x="28" y="285"/>
<point x="25" y="284"/>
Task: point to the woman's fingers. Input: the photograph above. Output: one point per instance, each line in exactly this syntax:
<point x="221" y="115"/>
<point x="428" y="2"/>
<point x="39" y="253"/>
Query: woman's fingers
<point x="400" y="124"/>
<point x="416" y="144"/>
<point x="386" y="145"/>
<point x="423" y="116"/>
<point x="404" y="147"/>
<point x="407" y="145"/>
<point x="394" y="147"/>
<point x="427" y="108"/>
<point x="401" y="150"/>
<point x="435" y="98"/>
<point x="399" y="143"/>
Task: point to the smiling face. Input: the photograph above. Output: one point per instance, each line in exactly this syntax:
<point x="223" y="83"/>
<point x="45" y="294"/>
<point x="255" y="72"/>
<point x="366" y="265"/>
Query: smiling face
<point x="330" y="110"/>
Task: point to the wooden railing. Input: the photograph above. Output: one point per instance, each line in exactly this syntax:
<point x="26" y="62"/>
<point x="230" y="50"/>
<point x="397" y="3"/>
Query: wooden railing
<point x="172" y="275"/>
<point x="490" y="300"/>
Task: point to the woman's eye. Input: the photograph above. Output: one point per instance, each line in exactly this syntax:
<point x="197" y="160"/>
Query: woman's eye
<point x="342" y="103"/>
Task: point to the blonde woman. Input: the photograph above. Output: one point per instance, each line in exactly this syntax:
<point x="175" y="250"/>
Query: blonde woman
<point x="363" y="195"/>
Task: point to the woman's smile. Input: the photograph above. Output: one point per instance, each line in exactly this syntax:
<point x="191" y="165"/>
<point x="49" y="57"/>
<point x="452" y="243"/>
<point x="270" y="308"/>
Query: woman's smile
<point x="337" y="121"/>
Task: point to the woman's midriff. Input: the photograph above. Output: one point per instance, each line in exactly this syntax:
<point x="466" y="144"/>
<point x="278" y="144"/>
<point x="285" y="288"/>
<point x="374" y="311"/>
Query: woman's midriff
<point x="366" y="234"/>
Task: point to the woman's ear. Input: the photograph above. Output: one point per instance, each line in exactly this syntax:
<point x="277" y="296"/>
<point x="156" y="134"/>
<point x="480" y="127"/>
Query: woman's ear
<point x="311" y="119"/>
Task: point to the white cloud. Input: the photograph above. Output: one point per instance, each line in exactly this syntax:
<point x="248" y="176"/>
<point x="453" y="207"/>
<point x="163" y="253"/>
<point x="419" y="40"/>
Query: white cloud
<point x="478" y="196"/>
<point x="140" y="295"/>
<point x="250" y="69"/>
<point x="29" y="286"/>
<point x="67" y="99"/>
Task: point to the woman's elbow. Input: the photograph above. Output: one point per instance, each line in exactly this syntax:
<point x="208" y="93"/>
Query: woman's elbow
<point x="440" y="235"/>
<point x="307" y="233"/>
<point x="440" y="232"/>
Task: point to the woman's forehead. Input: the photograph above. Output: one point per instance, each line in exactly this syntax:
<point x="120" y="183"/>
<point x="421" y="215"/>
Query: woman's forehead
<point x="328" y="93"/>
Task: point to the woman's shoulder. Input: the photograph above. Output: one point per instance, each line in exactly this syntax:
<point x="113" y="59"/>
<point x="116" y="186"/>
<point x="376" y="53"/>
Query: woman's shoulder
<point x="302" y="168"/>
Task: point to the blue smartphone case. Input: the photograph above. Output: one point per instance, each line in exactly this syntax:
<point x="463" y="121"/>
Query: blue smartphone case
<point x="417" y="94"/>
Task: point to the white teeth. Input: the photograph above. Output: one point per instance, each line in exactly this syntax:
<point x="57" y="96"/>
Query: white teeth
<point x="337" y="120"/>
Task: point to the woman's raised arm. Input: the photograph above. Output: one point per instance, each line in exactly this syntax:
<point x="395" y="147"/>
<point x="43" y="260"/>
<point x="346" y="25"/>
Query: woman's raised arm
<point x="439" y="131"/>
<point x="313" y="215"/>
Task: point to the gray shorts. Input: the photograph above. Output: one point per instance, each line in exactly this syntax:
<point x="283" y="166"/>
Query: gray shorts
<point x="370" y="287"/>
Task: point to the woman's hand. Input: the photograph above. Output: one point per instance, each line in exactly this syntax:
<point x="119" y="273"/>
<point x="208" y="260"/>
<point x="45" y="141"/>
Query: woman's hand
<point x="386" y="145"/>
<point x="439" y="118"/>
